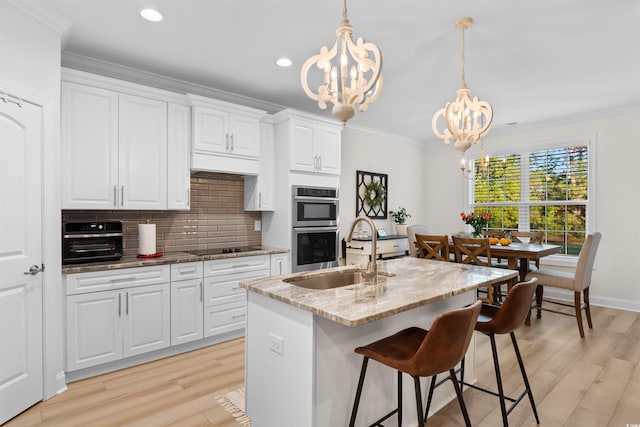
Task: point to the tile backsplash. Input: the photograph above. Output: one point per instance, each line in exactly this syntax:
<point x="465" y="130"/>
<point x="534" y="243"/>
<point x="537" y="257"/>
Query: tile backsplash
<point x="216" y="219"/>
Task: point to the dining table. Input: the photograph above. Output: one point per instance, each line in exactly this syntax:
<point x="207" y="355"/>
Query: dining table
<point x="518" y="255"/>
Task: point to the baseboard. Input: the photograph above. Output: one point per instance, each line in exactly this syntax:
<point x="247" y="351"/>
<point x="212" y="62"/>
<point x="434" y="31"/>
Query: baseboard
<point x="620" y="304"/>
<point x="61" y="383"/>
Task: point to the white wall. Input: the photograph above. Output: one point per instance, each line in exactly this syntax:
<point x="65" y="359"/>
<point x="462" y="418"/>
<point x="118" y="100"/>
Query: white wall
<point x="617" y="159"/>
<point x="30" y="60"/>
<point x="400" y="159"/>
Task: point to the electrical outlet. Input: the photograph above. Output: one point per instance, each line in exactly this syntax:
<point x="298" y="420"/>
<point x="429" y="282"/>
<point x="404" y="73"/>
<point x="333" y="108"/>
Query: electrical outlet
<point x="276" y="344"/>
<point x="257" y="225"/>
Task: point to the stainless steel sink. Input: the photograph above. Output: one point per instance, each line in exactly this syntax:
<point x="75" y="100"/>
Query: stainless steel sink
<point x="331" y="280"/>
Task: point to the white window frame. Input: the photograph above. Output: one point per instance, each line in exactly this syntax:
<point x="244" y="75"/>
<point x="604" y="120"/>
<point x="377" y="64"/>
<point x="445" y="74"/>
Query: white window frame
<point x="560" y="260"/>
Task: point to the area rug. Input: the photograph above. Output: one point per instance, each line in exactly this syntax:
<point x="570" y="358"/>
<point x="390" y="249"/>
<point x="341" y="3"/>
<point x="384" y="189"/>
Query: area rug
<point x="233" y="403"/>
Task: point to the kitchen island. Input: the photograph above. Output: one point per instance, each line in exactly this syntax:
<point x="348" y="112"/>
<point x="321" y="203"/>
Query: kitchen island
<point x="300" y="366"/>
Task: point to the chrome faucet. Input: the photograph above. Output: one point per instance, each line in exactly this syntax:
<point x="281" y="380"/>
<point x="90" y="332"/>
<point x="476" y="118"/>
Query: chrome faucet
<point x="371" y="275"/>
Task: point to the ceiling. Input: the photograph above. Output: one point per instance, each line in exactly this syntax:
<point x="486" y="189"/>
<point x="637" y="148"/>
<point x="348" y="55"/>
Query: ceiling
<point x="533" y="61"/>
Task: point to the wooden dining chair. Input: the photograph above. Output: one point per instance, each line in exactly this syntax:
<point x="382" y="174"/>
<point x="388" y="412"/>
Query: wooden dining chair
<point x="433" y="247"/>
<point x="577" y="282"/>
<point x="412" y="230"/>
<point x="534" y="237"/>
<point x="477" y="251"/>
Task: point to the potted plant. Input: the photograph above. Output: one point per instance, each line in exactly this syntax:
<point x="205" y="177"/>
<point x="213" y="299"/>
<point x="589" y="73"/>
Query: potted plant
<point x="399" y="217"/>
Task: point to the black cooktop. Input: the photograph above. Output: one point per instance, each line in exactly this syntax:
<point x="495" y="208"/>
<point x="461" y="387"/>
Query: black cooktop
<point x="229" y="250"/>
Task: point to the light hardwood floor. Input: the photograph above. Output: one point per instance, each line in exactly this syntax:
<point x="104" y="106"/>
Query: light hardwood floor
<point x="593" y="382"/>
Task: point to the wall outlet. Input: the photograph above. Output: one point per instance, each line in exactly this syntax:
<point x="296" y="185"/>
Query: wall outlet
<point x="257" y="225"/>
<point x="276" y="344"/>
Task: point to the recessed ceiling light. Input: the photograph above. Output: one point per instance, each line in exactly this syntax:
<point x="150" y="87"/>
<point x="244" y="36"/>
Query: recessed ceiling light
<point x="284" y="62"/>
<point x="151" y="15"/>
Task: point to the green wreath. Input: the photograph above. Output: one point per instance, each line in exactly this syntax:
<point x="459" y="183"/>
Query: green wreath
<point x="374" y="194"/>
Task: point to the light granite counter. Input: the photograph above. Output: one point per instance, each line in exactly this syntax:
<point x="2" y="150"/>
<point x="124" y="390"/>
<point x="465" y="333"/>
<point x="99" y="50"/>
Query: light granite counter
<point x="167" y="258"/>
<point x="301" y="369"/>
<point x="414" y="282"/>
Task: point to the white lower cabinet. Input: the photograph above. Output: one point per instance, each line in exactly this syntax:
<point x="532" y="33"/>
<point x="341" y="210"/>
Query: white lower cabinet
<point x="224" y="299"/>
<point x="187" y="296"/>
<point x="109" y="325"/>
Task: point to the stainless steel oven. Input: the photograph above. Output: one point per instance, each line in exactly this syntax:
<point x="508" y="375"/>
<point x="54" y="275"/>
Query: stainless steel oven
<point x="315" y="206"/>
<point x="91" y="241"/>
<point x="314" y="248"/>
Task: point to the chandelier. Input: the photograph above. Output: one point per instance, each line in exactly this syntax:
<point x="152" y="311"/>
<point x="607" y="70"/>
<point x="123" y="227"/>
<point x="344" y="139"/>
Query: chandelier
<point x="354" y="81"/>
<point x="466" y="120"/>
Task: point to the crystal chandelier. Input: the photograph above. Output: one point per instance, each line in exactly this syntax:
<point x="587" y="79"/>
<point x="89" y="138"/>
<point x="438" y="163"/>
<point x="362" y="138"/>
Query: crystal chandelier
<point x="466" y="120"/>
<point x="354" y="81"/>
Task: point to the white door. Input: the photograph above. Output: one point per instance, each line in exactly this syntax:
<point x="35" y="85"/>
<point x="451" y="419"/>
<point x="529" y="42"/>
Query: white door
<point x="20" y="249"/>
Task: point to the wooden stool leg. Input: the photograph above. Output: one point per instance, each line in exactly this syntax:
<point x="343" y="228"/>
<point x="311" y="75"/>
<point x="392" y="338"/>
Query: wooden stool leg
<point x="354" y="411"/>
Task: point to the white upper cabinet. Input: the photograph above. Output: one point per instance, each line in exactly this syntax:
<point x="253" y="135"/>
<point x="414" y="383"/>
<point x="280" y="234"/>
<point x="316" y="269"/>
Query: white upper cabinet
<point x="226" y="137"/>
<point x="142" y="153"/>
<point x="124" y="146"/>
<point x="179" y="157"/>
<point x="258" y="190"/>
<point x="89" y="147"/>
<point x="314" y="143"/>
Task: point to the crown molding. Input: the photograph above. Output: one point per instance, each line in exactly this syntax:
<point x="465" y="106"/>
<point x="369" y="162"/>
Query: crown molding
<point x="384" y="134"/>
<point x="146" y="78"/>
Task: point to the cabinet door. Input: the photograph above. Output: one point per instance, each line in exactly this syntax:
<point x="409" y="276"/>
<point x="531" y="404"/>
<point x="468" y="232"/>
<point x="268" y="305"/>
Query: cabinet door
<point x="303" y="155"/>
<point x="179" y="157"/>
<point x="89" y="129"/>
<point x="94" y="329"/>
<point x="328" y="150"/>
<point x="244" y="136"/>
<point x="142" y="153"/>
<point x="280" y="264"/>
<point x="210" y="130"/>
<point x="258" y="190"/>
<point x="186" y="311"/>
<point x="146" y="314"/>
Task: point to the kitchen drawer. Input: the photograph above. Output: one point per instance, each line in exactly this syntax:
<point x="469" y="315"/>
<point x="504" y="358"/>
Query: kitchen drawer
<point x="80" y="283"/>
<point x="224" y="318"/>
<point x="220" y="267"/>
<point x="186" y="271"/>
<point x="225" y="289"/>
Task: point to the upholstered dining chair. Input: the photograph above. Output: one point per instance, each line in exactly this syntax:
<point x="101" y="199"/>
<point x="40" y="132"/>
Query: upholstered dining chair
<point x="577" y="282"/>
<point x="469" y="250"/>
<point x="433" y="247"/>
<point x="412" y="230"/>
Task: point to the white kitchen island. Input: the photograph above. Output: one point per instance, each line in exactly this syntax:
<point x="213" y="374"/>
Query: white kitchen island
<point x="301" y="370"/>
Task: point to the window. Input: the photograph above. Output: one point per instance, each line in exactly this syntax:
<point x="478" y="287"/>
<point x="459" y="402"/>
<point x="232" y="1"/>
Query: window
<point x="540" y="188"/>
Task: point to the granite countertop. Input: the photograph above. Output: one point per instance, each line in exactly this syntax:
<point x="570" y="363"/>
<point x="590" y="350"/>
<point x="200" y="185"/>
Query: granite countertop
<point x="167" y="258"/>
<point x="415" y="282"/>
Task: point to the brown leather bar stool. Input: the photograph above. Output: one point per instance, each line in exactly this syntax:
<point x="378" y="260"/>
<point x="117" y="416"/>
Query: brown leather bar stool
<point x="505" y="319"/>
<point x="422" y="353"/>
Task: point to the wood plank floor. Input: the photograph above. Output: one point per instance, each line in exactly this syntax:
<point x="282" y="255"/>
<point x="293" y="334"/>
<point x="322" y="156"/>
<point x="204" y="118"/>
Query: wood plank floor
<point x="593" y="382"/>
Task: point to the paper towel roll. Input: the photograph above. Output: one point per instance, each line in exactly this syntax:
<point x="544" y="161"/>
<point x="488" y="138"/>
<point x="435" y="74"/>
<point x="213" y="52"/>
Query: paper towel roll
<point x="146" y="239"/>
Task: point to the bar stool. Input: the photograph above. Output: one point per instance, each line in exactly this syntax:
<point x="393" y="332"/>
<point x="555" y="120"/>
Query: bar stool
<point x="502" y="320"/>
<point x="422" y="353"/>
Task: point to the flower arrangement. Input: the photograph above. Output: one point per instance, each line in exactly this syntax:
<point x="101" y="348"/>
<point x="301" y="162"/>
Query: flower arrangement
<point x="400" y="216"/>
<point x="477" y="220"/>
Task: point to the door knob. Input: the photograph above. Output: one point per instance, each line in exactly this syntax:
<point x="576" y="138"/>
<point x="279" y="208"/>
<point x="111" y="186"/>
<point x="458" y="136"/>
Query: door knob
<point x="33" y="270"/>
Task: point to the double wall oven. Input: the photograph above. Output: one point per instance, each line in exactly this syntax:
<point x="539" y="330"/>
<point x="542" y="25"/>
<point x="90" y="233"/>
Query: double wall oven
<point x="315" y="228"/>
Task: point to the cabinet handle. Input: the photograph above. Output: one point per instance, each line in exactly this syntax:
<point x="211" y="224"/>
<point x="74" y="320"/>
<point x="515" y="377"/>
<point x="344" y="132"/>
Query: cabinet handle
<point x="188" y="197"/>
<point x="127" y="307"/>
<point x="226" y="141"/>
<point x="122" y="195"/>
<point x="260" y="199"/>
<point x="279" y="267"/>
<point x="241" y="265"/>
<point x="115" y="196"/>
<point x="119" y="305"/>
<point x="201" y="292"/>
<point x="232" y="143"/>
<point x="237" y="316"/>
<point x="236" y="288"/>
<point x="319" y="163"/>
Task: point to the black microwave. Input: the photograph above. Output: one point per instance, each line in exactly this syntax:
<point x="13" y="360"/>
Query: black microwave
<point x="84" y="242"/>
